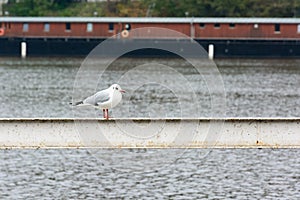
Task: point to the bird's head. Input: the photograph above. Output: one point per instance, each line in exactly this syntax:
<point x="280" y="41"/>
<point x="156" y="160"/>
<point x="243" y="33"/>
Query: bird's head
<point x="117" y="88"/>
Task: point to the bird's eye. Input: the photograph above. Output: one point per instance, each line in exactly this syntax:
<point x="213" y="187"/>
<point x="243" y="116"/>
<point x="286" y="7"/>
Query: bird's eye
<point x="117" y="88"/>
<point x="113" y="88"/>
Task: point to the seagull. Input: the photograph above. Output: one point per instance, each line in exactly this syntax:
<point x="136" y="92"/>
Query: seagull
<point x="104" y="99"/>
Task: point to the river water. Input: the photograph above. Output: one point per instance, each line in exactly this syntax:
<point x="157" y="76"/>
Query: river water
<point x="43" y="87"/>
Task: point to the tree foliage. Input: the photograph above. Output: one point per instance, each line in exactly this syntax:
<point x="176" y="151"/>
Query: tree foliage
<point x="226" y="8"/>
<point x="35" y="7"/>
<point x="155" y="8"/>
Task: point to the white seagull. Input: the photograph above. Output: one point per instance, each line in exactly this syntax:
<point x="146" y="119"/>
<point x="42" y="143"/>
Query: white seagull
<point x="104" y="99"/>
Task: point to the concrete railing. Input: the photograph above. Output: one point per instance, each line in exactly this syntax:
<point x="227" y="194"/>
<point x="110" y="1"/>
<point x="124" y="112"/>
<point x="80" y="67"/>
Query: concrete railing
<point x="150" y="133"/>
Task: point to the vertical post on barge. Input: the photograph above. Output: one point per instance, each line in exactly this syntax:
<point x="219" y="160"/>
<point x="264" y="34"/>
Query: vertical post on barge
<point x="211" y="51"/>
<point x="23" y="49"/>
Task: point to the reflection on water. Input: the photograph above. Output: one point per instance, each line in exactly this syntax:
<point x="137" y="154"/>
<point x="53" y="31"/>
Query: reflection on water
<point x="42" y="87"/>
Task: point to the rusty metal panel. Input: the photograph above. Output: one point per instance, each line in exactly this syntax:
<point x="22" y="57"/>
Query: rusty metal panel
<point x="243" y="29"/>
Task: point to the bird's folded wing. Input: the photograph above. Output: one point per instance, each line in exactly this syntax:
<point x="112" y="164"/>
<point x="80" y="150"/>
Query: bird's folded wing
<point x="98" y="98"/>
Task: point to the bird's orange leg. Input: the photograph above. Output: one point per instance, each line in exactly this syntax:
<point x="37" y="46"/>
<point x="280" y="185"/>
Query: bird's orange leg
<point x="106" y="114"/>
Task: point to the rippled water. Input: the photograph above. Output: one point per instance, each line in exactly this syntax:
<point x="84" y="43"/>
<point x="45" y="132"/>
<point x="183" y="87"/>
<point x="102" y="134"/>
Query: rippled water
<point x="224" y="174"/>
<point x="42" y="87"/>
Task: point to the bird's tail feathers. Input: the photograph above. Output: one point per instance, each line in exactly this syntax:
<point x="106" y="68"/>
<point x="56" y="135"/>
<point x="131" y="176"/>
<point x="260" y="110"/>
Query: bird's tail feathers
<point x="76" y="103"/>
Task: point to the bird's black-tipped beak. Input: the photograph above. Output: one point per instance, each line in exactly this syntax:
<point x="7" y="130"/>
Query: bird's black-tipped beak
<point x="122" y="91"/>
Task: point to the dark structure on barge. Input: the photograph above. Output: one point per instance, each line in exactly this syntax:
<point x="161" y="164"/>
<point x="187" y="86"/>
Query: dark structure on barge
<point x="231" y="37"/>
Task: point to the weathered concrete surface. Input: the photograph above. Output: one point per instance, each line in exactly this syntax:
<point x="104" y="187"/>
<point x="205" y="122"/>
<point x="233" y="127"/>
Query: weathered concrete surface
<point x="150" y="133"/>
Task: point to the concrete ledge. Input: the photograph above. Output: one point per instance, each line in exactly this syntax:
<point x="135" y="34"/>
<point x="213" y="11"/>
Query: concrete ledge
<point x="150" y="133"/>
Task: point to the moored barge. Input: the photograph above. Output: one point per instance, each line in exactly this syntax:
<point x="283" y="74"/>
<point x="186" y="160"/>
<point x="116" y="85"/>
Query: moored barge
<point x="77" y="36"/>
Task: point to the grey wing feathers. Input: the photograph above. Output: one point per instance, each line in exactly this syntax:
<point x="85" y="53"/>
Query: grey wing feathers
<point x="102" y="97"/>
<point x="98" y="98"/>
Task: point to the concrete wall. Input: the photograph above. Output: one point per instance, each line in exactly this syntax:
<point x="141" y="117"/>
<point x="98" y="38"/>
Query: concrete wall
<point x="146" y="133"/>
